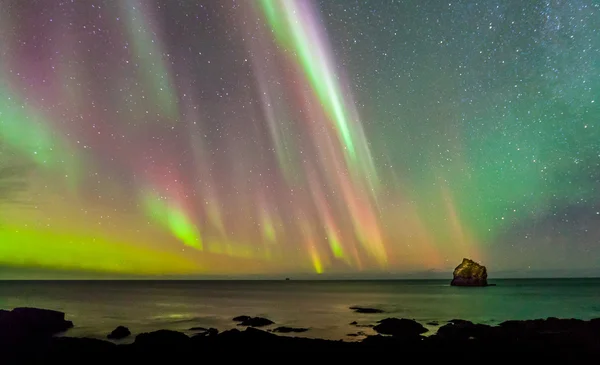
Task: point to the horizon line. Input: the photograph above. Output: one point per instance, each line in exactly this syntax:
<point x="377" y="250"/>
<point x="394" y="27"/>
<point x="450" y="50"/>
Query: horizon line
<point x="300" y="279"/>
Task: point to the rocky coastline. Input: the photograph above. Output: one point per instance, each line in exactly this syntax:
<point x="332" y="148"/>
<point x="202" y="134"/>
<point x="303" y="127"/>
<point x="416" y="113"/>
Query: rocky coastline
<point x="29" y="335"/>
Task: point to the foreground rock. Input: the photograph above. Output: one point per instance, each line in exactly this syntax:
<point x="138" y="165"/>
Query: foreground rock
<point x="354" y="323"/>
<point x="22" y="324"/>
<point x="469" y="273"/>
<point x="253" y="321"/>
<point x="400" y="327"/>
<point x="366" y="310"/>
<point x="119" y="333"/>
<point x="162" y="338"/>
<point x="554" y="339"/>
<point x="289" y="330"/>
<point x="458" y="329"/>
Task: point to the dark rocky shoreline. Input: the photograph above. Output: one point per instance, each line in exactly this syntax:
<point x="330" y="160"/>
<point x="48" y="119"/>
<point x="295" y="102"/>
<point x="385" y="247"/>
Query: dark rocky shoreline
<point x="27" y="336"/>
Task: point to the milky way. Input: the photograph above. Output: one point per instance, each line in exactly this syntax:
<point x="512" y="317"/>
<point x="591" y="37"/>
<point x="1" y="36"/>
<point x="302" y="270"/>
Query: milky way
<point x="271" y="136"/>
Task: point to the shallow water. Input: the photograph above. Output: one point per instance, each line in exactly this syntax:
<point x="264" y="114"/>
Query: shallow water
<point x="97" y="307"/>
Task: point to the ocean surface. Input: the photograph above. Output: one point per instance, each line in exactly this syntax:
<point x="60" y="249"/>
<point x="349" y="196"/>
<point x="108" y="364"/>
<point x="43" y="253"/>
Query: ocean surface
<point x="97" y="307"/>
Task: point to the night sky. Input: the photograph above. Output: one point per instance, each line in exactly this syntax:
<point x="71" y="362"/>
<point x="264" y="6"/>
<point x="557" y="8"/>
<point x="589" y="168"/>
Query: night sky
<point x="292" y="136"/>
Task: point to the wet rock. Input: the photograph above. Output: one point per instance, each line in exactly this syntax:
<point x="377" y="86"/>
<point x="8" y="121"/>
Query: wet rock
<point x="549" y="325"/>
<point x="256" y="322"/>
<point x="289" y="330"/>
<point x="366" y="310"/>
<point x="400" y="327"/>
<point x="353" y="323"/>
<point x="198" y="329"/>
<point x="433" y="323"/>
<point x="119" y="333"/>
<point x="463" y="330"/>
<point x="469" y="273"/>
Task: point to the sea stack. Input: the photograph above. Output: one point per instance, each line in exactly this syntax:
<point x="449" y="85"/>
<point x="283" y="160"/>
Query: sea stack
<point x="469" y="273"/>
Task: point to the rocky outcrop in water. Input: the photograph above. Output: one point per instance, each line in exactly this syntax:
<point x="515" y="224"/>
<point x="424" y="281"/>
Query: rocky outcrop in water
<point x="119" y="333"/>
<point x="285" y="329"/>
<point x="469" y="273"/>
<point x="253" y="321"/>
<point x="366" y="310"/>
<point x="23" y="324"/>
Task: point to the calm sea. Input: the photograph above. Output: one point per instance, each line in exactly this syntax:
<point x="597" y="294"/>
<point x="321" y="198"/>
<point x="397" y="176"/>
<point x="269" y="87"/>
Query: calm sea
<point x="97" y="307"/>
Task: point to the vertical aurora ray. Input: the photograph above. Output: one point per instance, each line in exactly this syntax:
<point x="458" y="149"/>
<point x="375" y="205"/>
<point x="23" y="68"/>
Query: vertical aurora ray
<point x="308" y="235"/>
<point x="268" y="228"/>
<point x="174" y="219"/>
<point x="164" y="199"/>
<point x="295" y="25"/>
<point x="25" y="129"/>
<point x="314" y="256"/>
<point x="325" y="216"/>
<point x="268" y="232"/>
<point x="209" y="198"/>
<point x="149" y="55"/>
<point x="279" y="127"/>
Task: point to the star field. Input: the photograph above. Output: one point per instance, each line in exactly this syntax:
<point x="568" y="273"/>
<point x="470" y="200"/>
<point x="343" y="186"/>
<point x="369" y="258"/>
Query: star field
<point x="202" y="137"/>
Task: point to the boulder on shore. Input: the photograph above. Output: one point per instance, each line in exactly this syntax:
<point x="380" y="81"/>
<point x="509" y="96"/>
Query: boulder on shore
<point x="469" y="273"/>
<point x="402" y="327"/>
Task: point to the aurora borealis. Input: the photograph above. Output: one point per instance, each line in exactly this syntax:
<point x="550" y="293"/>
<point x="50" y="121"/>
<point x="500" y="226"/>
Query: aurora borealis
<point x="278" y="136"/>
